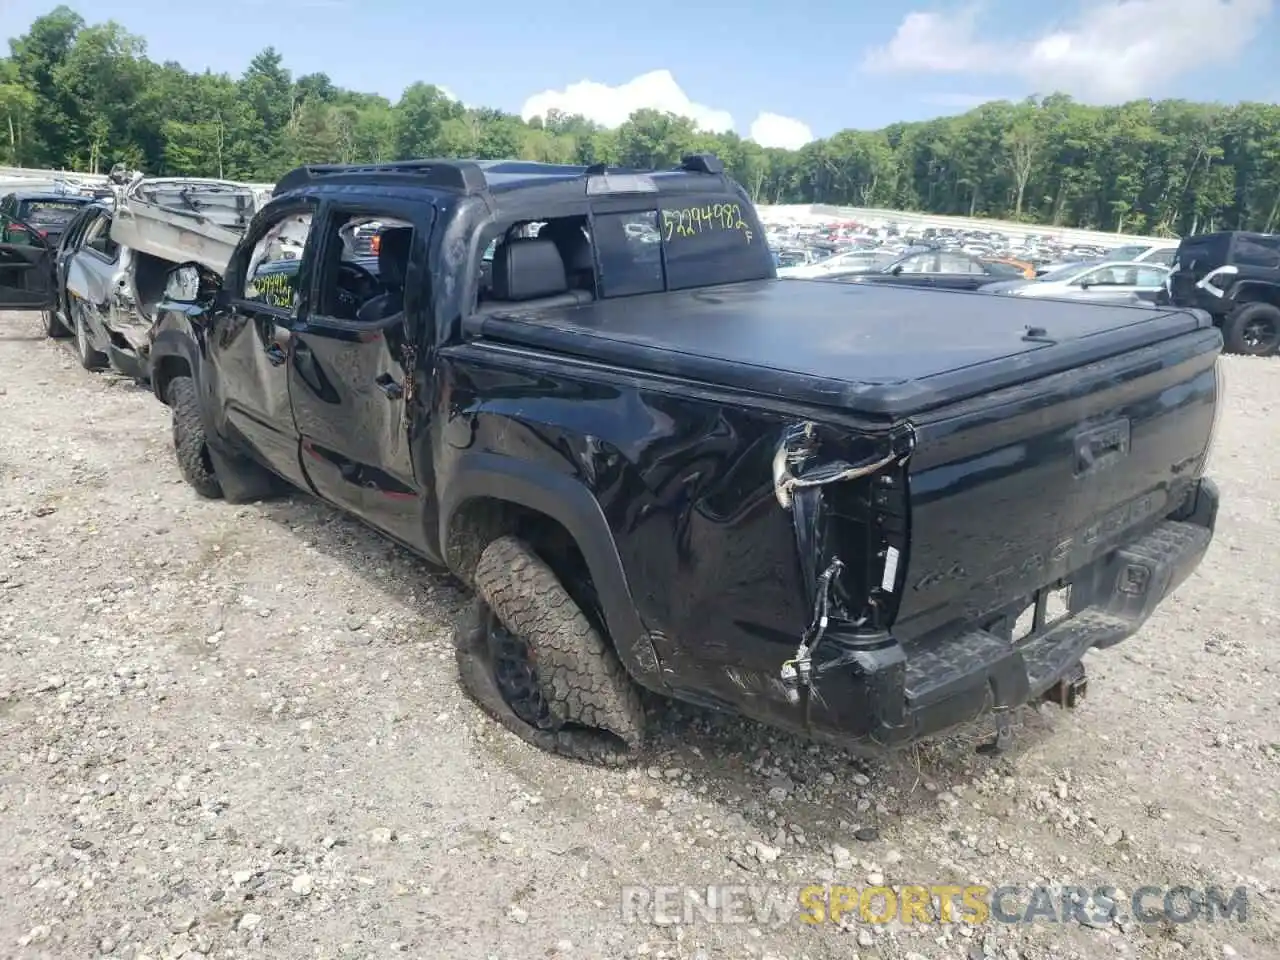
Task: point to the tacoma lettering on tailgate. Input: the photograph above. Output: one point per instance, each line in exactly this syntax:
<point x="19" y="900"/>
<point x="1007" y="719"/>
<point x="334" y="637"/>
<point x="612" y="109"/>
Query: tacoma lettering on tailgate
<point x="1056" y="560"/>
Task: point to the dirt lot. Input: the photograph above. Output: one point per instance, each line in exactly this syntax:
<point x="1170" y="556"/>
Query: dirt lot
<point x="236" y="732"/>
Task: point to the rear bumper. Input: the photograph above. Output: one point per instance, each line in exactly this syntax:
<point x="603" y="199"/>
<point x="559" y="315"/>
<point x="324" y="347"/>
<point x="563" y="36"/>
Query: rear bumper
<point x="877" y="692"/>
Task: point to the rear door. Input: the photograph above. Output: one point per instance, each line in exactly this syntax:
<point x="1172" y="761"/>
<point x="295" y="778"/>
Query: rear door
<point x="350" y="361"/>
<point x="26" y="267"/>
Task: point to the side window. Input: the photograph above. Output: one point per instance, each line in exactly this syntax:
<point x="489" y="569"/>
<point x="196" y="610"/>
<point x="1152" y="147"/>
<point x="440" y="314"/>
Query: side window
<point x="1258" y="251"/>
<point x="272" y="275"/>
<point x="1163" y="257"/>
<point x="920" y="263"/>
<point x="628" y="253"/>
<point x="366" y="264"/>
<point x="711" y="241"/>
<point x="98" y="237"/>
<point x="1150" y="277"/>
<point x="957" y="263"/>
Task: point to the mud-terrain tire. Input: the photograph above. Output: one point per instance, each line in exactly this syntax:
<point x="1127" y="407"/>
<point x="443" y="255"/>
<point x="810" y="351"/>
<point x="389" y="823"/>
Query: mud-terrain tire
<point x="189" y="440"/>
<point x="1253" y="330"/>
<point x="54" y="328"/>
<point x="582" y="705"/>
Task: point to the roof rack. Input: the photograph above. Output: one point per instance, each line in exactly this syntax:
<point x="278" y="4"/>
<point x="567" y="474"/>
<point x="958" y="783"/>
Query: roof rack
<point x="463" y="175"/>
<point x="702" y="163"/>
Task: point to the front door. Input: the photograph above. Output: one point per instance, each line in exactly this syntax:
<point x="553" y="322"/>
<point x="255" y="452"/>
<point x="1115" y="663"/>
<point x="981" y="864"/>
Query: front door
<point x="250" y="337"/>
<point x="26" y="267"/>
<point x="348" y="359"/>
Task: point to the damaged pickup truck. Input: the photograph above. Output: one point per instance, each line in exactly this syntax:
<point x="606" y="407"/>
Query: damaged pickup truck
<point x="862" y="514"/>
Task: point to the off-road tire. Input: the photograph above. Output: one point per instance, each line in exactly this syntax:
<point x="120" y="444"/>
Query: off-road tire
<point x="596" y="712"/>
<point x="54" y="328"/>
<point x="189" y="443"/>
<point x="1234" y="327"/>
<point x="89" y="358"/>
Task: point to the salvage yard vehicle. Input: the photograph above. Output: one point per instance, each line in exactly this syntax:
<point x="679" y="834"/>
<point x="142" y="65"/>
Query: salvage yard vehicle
<point x="859" y="513"/>
<point x="1235" y="277"/>
<point x="110" y="266"/>
<point x="943" y="269"/>
<point x="44" y="213"/>
<point x="1106" y="281"/>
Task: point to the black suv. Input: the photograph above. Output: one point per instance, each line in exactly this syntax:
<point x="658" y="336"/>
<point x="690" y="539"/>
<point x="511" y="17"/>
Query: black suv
<point x="859" y="512"/>
<point x="1235" y="277"/>
<point x="43" y="213"/>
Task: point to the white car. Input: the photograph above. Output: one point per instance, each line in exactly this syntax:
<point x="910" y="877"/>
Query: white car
<point x="1130" y="281"/>
<point x="1156" y="253"/>
<point x="847" y="262"/>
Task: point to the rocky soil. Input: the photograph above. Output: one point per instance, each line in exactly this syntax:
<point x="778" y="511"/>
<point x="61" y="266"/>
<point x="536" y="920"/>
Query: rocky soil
<point x="236" y="732"/>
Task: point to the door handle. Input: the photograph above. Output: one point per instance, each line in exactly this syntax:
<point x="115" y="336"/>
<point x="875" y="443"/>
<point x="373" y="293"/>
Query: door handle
<point x="305" y="361"/>
<point x="392" y="388"/>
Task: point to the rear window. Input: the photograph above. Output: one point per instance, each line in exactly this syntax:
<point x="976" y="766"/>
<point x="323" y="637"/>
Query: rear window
<point x="1201" y="254"/>
<point x="677" y="247"/>
<point x="51" y="211"/>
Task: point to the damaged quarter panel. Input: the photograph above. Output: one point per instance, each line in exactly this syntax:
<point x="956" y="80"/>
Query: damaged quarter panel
<point x="685" y="484"/>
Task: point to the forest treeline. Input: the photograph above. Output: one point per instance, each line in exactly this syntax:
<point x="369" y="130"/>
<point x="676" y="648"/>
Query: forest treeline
<point x="85" y="97"/>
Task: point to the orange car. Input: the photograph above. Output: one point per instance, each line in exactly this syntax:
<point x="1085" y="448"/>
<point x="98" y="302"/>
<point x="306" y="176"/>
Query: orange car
<point x="1028" y="269"/>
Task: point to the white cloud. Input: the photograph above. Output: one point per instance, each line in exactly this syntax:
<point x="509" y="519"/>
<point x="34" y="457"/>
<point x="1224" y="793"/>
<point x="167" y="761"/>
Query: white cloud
<point x="658" y="90"/>
<point x="1112" y="50"/>
<point x="775" y="130"/>
<point x="611" y="106"/>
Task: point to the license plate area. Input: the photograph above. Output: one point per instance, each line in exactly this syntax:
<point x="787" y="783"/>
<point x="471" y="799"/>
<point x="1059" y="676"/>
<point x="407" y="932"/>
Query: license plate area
<point x="1049" y="607"/>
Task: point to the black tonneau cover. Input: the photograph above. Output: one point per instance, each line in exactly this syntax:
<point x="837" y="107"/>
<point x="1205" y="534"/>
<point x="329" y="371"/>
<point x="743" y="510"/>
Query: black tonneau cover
<point x="879" y="350"/>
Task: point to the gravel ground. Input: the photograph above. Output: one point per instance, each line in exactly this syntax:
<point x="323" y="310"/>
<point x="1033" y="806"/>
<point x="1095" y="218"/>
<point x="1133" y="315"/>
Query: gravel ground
<point x="237" y="732"/>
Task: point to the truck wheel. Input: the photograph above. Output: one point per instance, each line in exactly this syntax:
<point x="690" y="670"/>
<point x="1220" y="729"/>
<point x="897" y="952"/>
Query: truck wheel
<point x="1254" y="330"/>
<point x="189" y="440"/>
<point x="533" y="661"/>
<point x="54" y="328"/>
<point x="89" y="358"/>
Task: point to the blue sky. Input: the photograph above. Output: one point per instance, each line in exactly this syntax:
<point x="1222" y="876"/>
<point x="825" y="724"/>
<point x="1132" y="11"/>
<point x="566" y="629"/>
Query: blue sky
<point x="813" y="66"/>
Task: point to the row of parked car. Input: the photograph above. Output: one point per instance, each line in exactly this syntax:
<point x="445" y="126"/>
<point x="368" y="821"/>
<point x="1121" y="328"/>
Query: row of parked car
<point x="1234" y="276"/>
<point x="802" y="245"/>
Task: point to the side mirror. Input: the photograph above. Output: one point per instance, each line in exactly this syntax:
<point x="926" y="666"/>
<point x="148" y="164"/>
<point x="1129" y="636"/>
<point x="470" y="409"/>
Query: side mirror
<point x="897" y="270"/>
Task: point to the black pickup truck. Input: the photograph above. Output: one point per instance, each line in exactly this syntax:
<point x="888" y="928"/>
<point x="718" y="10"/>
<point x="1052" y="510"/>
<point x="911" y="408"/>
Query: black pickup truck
<point x="859" y="513"/>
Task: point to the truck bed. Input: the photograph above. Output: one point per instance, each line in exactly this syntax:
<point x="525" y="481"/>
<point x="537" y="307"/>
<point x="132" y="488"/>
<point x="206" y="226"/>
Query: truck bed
<point x="879" y="351"/>
<point x="180" y="219"/>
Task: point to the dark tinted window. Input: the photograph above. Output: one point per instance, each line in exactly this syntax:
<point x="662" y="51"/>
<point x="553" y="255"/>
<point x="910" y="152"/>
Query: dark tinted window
<point x="712" y="242"/>
<point x="1201" y="254"/>
<point x="50" y="212"/>
<point x="628" y="253"/>
<point x="1258" y="251"/>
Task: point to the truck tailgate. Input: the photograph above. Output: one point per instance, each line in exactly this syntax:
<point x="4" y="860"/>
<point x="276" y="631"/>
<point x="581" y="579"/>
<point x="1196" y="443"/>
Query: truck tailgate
<point x="1015" y="490"/>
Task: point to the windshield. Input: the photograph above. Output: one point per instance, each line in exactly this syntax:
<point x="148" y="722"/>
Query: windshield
<point x="1065" y="273"/>
<point x="1127" y="253"/>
